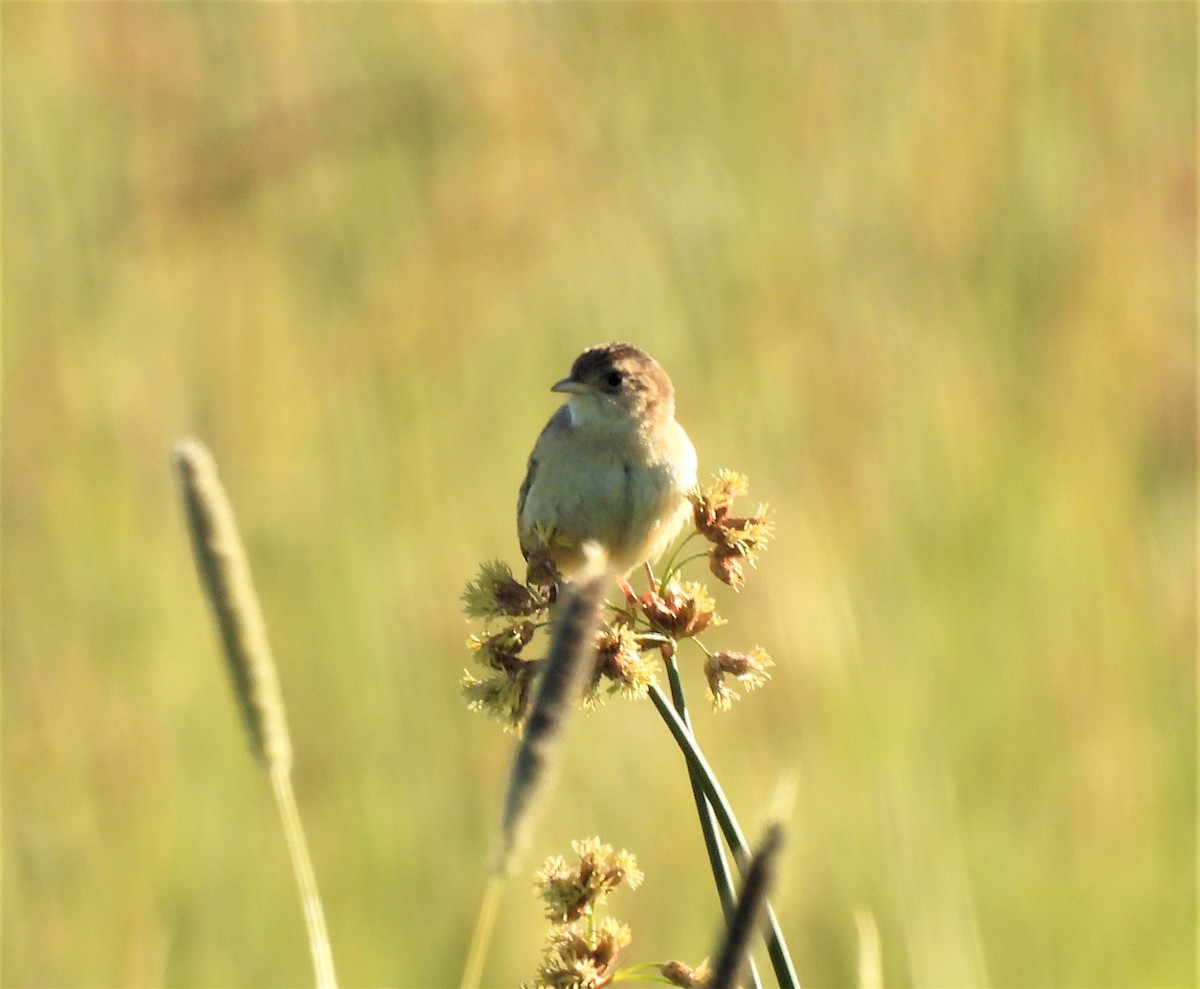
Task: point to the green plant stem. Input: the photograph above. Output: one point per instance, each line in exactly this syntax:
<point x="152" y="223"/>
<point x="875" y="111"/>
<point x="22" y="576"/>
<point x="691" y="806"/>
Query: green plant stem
<point x="645" y="974"/>
<point x="683" y="563"/>
<point x="739" y="931"/>
<point x="672" y="568"/>
<point x="722" y="874"/>
<point x="306" y="880"/>
<point x="777" y="950"/>
<point x="485" y="925"/>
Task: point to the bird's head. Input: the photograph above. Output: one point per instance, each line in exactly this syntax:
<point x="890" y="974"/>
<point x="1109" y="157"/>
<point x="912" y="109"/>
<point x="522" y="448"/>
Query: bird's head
<point x="616" y="383"/>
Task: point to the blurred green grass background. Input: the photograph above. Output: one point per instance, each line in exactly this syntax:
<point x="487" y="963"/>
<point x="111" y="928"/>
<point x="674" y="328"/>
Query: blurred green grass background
<point x="926" y="273"/>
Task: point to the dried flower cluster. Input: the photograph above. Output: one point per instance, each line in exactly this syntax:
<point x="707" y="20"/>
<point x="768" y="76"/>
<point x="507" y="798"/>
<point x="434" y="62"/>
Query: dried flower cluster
<point x="581" y="951"/>
<point x="571" y="892"/>
<point x="572" y="959"/>
<point x="620" y="662"/>
<point x="679" y="974"/>
<point x="682" y="611"/>
<point x="737" y="539"/>
<point x="749" y="669"/>
<point x="630" y="642"/>
<point x="497" y="592"/>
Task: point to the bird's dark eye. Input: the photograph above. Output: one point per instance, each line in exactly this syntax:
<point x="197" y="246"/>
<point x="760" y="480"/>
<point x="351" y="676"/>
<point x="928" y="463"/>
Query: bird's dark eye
<point x="613" y="379"/>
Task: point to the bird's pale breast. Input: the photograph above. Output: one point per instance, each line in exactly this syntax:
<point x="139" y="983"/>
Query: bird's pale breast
<point x="615" y="490"/>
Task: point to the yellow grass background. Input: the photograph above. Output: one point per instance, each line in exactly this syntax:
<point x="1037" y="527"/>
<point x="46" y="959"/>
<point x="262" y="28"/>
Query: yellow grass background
<point x="925" y="272"/>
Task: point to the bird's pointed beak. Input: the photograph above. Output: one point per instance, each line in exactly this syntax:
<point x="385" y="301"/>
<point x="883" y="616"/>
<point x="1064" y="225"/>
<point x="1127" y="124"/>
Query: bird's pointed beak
<point x="571" y="387"/>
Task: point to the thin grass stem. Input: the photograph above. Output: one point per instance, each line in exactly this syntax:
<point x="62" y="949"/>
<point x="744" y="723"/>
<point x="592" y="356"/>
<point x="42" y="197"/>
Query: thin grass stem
<point x="672" y="568"/>
<point x="760" y="871"/>
<point x="481" y="938"/>
<point x="683" y="563"/>
<point x="722" y="874"/>
<point x="225" y="578"/>
<point x="781" y="962"/>
<point x="306" y="880"/>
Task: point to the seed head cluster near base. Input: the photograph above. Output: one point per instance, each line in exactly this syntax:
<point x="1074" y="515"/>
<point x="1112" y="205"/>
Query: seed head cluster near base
<point x="582" y="950"/>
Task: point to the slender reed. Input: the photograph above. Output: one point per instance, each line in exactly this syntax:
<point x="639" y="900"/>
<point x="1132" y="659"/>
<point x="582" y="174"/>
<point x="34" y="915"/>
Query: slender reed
<point x="722" y="874"/>
<point x="225" y="577"/>
<point x="753" y="899"/>
<point x="781" y="961"/>
<point x="870" y="955"/>
<point x="485" y="924"/>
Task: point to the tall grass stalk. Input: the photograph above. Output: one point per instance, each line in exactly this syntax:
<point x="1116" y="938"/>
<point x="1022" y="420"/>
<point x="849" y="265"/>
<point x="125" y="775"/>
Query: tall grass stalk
<point x="781" y="961"/>
<point x="225" y="577"/>
<point x="481" y="939"/>
<point x="870" y="954"/>
<point x="760" y="871"/>
<point x="722" y="875"/>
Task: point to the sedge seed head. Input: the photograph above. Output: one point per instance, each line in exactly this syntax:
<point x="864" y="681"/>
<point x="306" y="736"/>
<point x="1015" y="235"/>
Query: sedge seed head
<point x="748" y="669"/>
<point x="737" y="539"/>
<point x="495" y="593"/>
<point x="619" y="660"/>
<point x="571" y="960"/>
<point x="682" y="610"/>
<point x="683" y="975"/>
<point x="574" y="891"/>
<point x="505" y="696"/>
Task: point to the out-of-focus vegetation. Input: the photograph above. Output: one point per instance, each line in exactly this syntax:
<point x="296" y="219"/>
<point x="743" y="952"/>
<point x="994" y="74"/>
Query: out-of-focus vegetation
<point x="925" y="272"/>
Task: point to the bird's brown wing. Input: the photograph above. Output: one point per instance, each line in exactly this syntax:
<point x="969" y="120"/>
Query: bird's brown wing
<point x="530" y="470"/>
<point x="559" y="421"/>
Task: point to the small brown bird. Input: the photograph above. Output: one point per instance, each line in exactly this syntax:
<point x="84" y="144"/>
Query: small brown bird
<point x="610" y="468"/>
